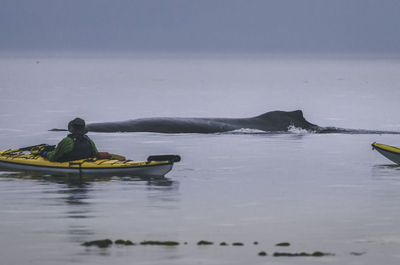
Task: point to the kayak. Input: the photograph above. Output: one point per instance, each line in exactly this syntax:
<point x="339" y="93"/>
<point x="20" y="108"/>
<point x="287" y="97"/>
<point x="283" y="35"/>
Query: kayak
<point x="155" y="166"/>
<point x="390" y="152"/>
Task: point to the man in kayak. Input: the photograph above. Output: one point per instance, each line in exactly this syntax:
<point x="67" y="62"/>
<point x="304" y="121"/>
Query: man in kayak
<point x="75" y="146"/>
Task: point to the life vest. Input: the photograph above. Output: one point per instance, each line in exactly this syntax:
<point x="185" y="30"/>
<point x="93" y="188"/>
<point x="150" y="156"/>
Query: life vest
<point x="82" y="148"/>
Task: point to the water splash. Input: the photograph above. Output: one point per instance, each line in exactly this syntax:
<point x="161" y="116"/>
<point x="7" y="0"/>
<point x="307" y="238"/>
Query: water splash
<point x="297" y="130"/>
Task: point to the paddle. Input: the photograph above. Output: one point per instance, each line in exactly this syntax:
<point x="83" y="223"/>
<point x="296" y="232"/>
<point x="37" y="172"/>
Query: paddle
<point x="171" y="158"/>
<point x="28" y="148"/>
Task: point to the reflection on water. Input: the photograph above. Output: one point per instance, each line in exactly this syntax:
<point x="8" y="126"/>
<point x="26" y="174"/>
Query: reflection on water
<point x="386" y="172"/>
<point x="83" y="204"/>
<point x="73" y="180"/>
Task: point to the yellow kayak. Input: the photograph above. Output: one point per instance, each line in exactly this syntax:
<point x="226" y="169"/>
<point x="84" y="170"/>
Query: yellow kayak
<point x="26" y="162"/>
<point x="390" y="152"/>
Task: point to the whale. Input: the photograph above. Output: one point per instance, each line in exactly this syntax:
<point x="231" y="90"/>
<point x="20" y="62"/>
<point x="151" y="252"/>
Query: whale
<point x="269" y="122"/>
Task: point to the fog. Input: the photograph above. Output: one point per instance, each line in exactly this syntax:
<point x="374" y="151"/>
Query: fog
<point x="201" y="26"/>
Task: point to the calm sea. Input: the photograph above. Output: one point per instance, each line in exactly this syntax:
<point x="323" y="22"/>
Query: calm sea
<point x="328" y="193"/>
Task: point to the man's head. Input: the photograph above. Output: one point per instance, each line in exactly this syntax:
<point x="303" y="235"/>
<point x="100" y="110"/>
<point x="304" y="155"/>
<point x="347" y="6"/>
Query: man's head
<point x="77" y="126"/>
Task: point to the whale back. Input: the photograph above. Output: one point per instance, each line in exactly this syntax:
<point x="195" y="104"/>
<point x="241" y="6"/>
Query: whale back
<point x="165" y="125"/>
<point x="273" y="121"/>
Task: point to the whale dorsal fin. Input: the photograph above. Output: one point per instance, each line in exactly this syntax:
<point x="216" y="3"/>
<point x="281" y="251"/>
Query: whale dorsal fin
<point x="297" y="114"/>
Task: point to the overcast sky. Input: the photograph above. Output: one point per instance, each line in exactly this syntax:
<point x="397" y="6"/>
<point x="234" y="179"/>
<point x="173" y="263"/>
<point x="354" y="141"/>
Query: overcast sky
<point x="201" y="25"/>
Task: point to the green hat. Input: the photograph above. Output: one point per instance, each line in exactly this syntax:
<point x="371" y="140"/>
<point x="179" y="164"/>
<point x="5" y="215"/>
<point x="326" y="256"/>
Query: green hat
<point x="77" y="126"/>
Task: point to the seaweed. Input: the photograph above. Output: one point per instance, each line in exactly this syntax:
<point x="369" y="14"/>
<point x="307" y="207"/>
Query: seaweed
<point x="124" y="242"/>
<point x="204" y="242"/>
<point x="302" y="254"/>
<point x="283" y="244"/>
<point x="159" y="243"/>
<point x="102" y="243"/>
<point x="357" y="253"/>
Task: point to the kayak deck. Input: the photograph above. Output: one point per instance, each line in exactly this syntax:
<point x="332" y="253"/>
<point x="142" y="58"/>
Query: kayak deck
<point x="390" y="152"/>
<point x="34" y="163"/>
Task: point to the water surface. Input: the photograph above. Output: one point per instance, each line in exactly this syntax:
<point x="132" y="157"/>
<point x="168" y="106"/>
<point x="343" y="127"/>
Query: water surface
<point x="330" y="193"/>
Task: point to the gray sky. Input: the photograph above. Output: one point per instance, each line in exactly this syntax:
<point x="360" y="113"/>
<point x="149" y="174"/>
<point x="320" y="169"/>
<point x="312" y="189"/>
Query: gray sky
<point x="201" y="25"/>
